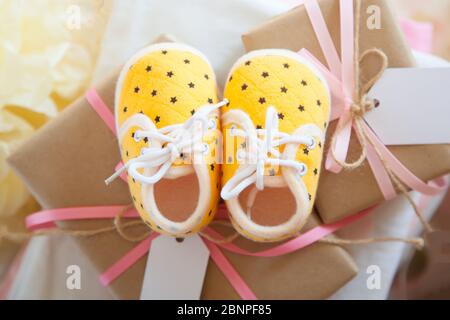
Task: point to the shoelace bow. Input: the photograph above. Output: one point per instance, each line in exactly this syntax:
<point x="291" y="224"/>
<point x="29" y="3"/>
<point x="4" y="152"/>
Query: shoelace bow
<point x="266" y="154"/>
<point x="178" y="139"/>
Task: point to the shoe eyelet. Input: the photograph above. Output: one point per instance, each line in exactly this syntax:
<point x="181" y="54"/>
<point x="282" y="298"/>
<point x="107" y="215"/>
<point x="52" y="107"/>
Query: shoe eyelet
<point x="312" y="145"/>
<point x="137" y="137"/>
<point x="211" y="124"/>
<point x="232" y="130"/>
<point x="303" y="171"/>
<point x="205" y="148"/>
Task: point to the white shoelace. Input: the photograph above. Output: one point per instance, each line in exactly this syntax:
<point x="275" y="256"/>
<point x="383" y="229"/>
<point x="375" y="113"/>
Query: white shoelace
<point x="178" y="139"/>
<point x="267" y="142"/>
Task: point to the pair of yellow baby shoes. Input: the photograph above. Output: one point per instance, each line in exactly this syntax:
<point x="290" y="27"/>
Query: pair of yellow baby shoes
<point x="260" y="148"/>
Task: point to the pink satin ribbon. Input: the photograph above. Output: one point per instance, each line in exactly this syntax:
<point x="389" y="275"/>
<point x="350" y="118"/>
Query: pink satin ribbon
<point x="340" y="77"/>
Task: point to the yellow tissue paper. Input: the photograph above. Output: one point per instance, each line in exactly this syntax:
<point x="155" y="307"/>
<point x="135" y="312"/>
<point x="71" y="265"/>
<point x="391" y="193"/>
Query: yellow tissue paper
<point x="48" y="51"/>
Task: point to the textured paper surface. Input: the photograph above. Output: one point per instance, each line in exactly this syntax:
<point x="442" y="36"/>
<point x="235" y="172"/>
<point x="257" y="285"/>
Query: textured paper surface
<point x="414" y="106"/>
<point x="73" y="154"/>
<point x="175" y="270"/>
<point x="346" y="193"/>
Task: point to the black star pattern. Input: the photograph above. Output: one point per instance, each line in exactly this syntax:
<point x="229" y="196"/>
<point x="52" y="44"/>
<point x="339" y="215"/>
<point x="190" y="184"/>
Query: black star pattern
<point x="170" y="74"/>
<point x="210" y="100"/>
<point x="134" y="180"/>
<point x="136" y="90"/>
<point x="186" y="61"/>
<point x="262" y="100"/>
<point x="148" y="69"/>
<point x="315" y="171"/>
<point x="206" y="77"/>
<point x="306" y="151"/>
<point x="127" y="153"/>
<point x="154" y="93"/>
<point x="301" y="108"/>
<point x="247" y="63"/>
<point x="145" y="139"/>
<point x="157" y="119"/>
<point x="231" y="78"/>
<point x="284" y="89"/>
<point x="309" y="197"/>
<point x="265" y="74"/>
<point x="258" y="126"/>
<point x="244" y="87"/>
<point x="125" y="109"/>
<point x="228" y="103"/>
<point x="286" y="65"/>
<point x="132" y="135"/>
<point x="192" y="111"/>
<point x="191" y="85"/>
<point x="173" y="100"/>
<point x="304" y="83"/>
<point x="142" y="206"/>
<point x="141" y="112"/>
<point x="280" y="116"/>
<point x="319" y="103"/>
<point x="212" y="167"/>
<point x="320" y="144"/>
<point x="164" y="52"/>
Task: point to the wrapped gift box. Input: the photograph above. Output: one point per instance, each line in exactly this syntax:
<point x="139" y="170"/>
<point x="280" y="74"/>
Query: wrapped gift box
<point x="350" y="191"/>
<point x="65" y="164"/>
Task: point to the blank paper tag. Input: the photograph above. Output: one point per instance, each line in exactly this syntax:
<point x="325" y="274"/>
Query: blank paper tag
<point x="414" y="106"/>
<point x="175" y="270"/>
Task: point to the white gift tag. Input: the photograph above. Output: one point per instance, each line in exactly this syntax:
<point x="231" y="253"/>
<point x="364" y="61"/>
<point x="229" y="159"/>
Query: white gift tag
<point x="175" y="270"/>
<point x="414" y="106"/>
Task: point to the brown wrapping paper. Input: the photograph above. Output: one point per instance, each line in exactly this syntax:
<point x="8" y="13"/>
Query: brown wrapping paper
<point x="349" y="192"/>
<point x="65" y="165"/>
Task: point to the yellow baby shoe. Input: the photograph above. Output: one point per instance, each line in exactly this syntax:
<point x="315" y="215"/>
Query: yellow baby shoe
<point x="167" y="121"/>
<point x="274" y="127"/>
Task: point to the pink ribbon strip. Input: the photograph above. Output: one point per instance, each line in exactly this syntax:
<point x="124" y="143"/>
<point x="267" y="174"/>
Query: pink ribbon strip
<point x="418" y="34"/>
<point x="300" y="242"/>
<point x="127" y="260"/>
<point x="42" y="219"/>
<point x="340" y="77"/>
<point x="229" y="272"/>
<point x="101" y="108"/>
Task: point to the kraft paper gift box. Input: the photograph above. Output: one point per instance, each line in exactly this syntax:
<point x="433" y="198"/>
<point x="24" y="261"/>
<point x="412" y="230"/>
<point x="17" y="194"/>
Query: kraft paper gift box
<point x="350" y="191"/>
<point x="65" y="164"/>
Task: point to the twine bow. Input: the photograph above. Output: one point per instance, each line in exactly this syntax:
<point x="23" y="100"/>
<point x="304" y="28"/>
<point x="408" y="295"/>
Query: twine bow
<point x="360" y="104"/>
